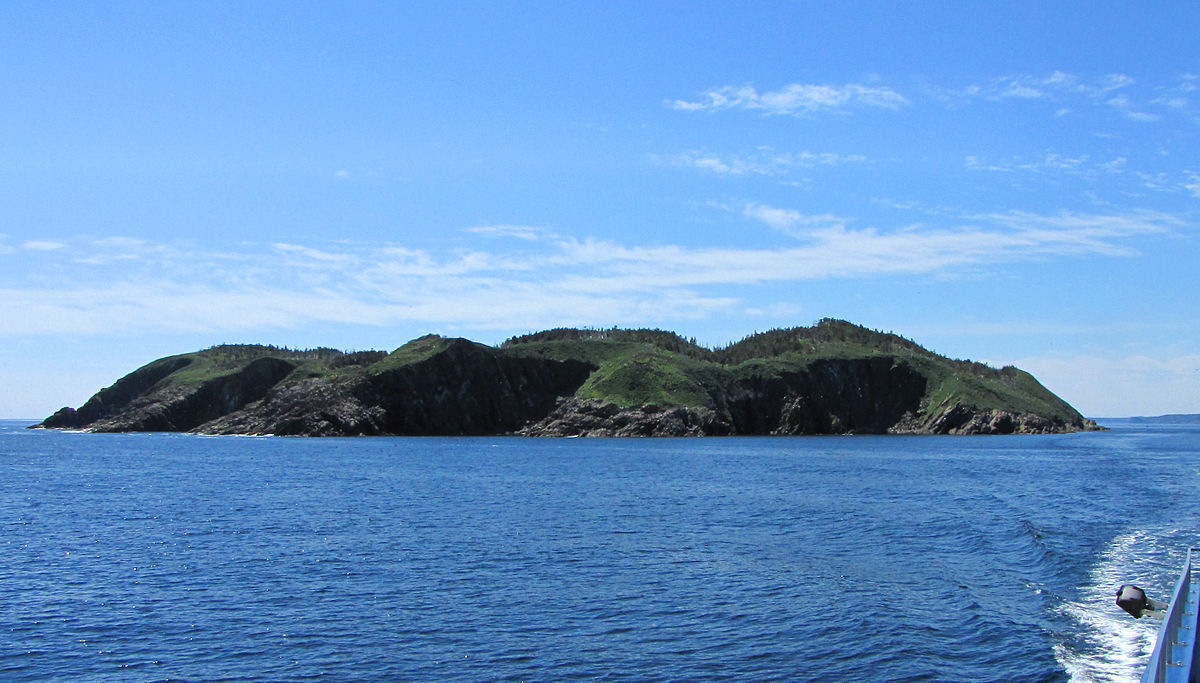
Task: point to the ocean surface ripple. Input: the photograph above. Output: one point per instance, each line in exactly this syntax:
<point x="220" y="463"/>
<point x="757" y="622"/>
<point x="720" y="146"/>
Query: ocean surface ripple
<point x="175" y="557"/>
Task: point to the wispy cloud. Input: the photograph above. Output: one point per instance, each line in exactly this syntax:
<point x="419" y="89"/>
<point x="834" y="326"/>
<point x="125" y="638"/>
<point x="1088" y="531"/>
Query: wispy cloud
<point x="307" y="256"/>
<point x="795" y="98"/>
<point x="42" y="245"/>
<point x="1082" y="165"/>
<point x="1068" y="233"/>
<point x="523" y="232"/>
<point x="118" y="249"/>
<point x="1106" y="385"/>
<point x="1116" y="171"/>
<point x="1122" y="104"/>
<point x="1178" y="96"/>
<point x="1056" y="85"/>
<point x="1067" y="93"/>
<point x="520" y="284"/>
<point x="1193" y="184"/>
<point x="792" y="222"/>
<point x="1185" y="182"/>
<point x="764" y="161"/>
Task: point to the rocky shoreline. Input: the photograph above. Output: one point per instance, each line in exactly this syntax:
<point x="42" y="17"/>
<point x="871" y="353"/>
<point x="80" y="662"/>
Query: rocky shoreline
<point x="572" y="387"/>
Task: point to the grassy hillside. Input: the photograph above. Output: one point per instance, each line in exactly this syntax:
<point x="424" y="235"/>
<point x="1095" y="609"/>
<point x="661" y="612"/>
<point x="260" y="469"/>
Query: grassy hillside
<point x="414" y="351"/>
<point x="827" y="339"/>
<point x="633" y="367"/>
<point x="636" y="367"/>
<point x="227" y="359"/>
<point x="832" y="375"/>
<point x="655" y="367"/>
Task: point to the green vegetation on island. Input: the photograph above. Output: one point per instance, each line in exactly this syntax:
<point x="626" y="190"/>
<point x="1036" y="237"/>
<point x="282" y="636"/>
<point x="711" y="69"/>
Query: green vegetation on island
<point x="834" y="377"/>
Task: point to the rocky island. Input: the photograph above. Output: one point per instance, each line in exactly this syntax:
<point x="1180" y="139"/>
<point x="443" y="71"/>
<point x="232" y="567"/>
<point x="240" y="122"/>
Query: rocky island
<point x="832" y="378"/>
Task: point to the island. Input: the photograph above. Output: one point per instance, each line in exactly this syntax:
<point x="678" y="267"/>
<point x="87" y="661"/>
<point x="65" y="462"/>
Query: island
<point x="834" y="377"/>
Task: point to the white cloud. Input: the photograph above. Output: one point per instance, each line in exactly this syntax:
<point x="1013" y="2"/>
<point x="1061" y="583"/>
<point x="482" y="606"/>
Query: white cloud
<point x="1145" y="117"/>
<point x="796" y="98"/>
<point x="1022" y="91"/>
<point x="109" y="250"/>
<point x="308" y="254"/>
<point x="121" y="242"/>
<point x="1114" y="82"/>
<point x="1068" y="93"/>
<point x="1056" y="85"/>
<point x="1073" y="233"/>
<point x="524" y="232"/>
<point x="1177" y="97"/>
<point x="1169" y="182"/>
<point x="1193" y="184"/>
<point x="1118" y="386"/>
<point x="1172" y="102"/>
<point x="42" y="245"/>
<point x="764" y="161"/>
<point x="1123" y="104"/>
<point x="1082" y="165"/>
<point x="524" y="283"/>
<point x="793" y="222"/>
<point x="1020" y="87"/>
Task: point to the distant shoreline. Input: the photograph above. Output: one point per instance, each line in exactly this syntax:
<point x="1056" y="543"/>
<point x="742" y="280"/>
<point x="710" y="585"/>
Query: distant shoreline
<point x="1175" y="418"/>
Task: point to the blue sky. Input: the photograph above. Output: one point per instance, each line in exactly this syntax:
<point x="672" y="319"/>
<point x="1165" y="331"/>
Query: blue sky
<point x="1017" y="184"/>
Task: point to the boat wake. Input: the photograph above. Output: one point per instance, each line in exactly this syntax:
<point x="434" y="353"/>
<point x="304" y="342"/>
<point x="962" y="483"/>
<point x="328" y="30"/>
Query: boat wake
<point x="1110" y="645"/>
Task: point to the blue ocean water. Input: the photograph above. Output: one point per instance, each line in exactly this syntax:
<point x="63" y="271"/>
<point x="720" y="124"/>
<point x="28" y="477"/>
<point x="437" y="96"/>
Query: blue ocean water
<point x="156" y="556"/>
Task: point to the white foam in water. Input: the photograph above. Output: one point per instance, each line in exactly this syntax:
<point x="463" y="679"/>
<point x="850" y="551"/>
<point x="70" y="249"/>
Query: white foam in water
<point x="1113" y="646"/>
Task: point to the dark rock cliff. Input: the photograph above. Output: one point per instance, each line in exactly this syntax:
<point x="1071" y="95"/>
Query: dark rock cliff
<point x="570" y="383"/>
<point x="180" y="409"/>
<point x="878" y="395"/>
<point x="835" y="396"/>
<point x="583" y="417"/>
<point x="465" y="389"/>
<point x="118" y="397"/>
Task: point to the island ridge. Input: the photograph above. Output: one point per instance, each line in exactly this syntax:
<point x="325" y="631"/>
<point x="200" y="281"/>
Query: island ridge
<point x="832" y="378"/>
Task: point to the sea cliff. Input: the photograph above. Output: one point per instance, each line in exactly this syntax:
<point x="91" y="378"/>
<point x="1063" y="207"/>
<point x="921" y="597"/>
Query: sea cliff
<point x="831" y="378"/>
